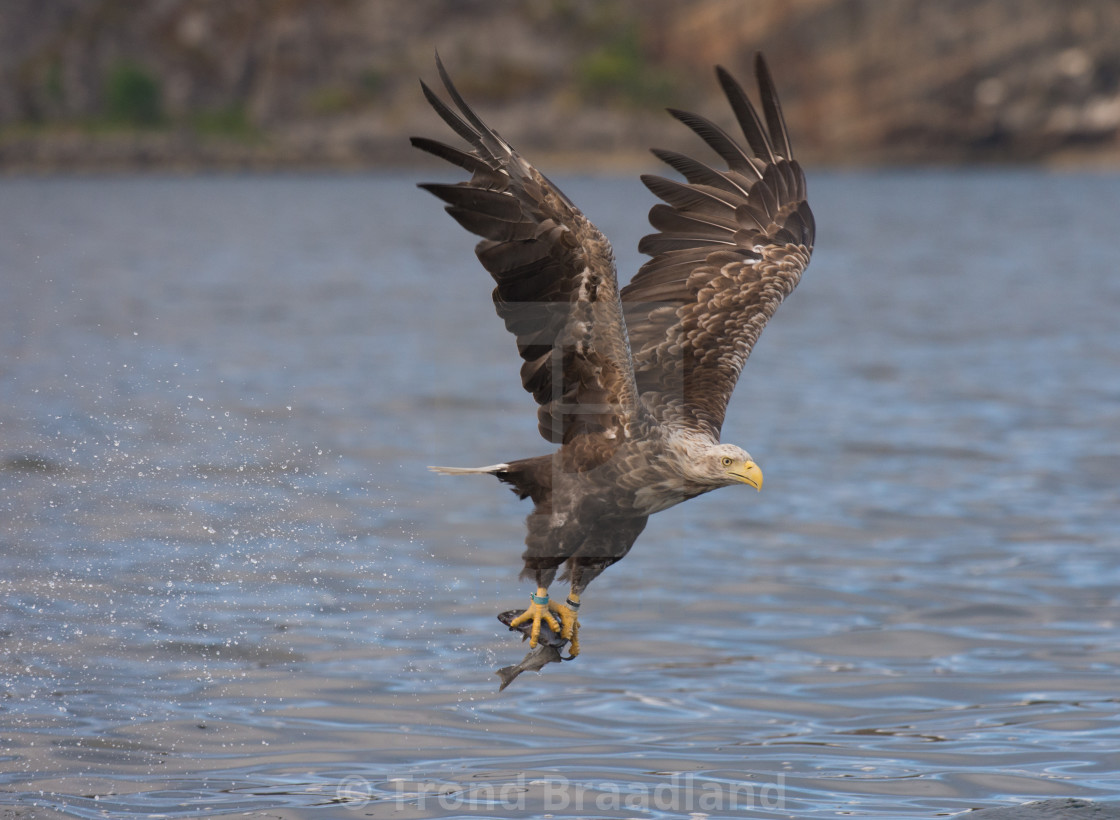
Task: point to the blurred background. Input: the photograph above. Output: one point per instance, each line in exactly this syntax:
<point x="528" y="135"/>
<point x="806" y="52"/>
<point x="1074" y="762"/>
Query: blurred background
<point x="113" y="84"/>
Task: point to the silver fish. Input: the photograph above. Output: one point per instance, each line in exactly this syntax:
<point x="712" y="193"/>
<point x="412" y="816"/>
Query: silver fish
<point x="547" y="651"/>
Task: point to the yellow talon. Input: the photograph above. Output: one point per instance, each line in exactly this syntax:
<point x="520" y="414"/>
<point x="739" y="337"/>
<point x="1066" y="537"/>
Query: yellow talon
<point x="538" y="611"/>
<point x="569" y="620"/>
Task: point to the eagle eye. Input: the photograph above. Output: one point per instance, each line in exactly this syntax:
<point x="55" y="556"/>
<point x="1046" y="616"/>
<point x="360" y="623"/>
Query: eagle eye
<point x="725" y="461"/>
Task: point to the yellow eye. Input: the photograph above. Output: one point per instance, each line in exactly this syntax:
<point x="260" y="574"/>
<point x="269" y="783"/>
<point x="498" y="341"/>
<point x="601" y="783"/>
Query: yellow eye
<point x="726" y="461"/>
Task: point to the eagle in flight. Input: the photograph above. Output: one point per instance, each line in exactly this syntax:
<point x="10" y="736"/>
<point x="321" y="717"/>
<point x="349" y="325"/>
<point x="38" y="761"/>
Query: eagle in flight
<point x="632" y="383"/>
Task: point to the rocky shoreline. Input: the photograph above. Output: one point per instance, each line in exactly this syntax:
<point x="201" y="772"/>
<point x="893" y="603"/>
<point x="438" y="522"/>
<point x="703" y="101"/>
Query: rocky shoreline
<point x="104" y="85"/>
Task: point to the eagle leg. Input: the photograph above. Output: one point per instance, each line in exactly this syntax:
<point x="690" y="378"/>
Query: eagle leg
<point x="539" y="610"/>
<point x="569" y="621"/>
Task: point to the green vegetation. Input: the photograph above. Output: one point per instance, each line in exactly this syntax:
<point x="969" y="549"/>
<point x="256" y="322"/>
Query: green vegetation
<point x="231" y="122"/>
<point x="349" y="96"/>
<point x="132" y="96"/>
<point x="618" y="72"/>
<point x="334" y="99"/>
<point x="56" y="91"/>
<point x="372" y="81"/>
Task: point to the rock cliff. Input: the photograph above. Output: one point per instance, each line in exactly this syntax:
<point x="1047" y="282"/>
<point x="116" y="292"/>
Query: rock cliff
<point x="106" y="84"/>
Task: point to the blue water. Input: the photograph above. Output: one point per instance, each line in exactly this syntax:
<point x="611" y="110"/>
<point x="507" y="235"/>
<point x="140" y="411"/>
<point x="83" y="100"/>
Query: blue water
<point x="228" y="584"/>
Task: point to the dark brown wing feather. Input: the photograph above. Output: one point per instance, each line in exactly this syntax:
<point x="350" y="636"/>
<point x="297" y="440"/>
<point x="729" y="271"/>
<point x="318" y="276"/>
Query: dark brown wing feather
<point x="730" y="246"/>
<point x="556" y="286"/>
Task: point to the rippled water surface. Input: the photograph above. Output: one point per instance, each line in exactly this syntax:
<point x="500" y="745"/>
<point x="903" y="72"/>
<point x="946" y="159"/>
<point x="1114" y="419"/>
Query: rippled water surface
<point x="228" y="584"/>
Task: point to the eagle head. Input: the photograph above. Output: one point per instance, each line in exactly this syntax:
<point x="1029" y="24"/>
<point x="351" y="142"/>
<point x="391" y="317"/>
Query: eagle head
<point x="726" y="464"/>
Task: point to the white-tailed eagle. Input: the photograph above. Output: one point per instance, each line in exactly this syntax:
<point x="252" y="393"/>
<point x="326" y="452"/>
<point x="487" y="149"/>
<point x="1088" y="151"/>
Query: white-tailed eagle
<point x="632" y="383"/>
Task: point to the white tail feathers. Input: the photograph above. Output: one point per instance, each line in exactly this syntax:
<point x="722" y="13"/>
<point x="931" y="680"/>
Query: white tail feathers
<point x="493" y="468"/>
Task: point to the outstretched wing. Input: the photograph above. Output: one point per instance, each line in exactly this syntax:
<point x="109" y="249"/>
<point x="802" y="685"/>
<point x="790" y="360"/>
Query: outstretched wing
<point x="731" y="245"/>
<point x="556" y="285"/>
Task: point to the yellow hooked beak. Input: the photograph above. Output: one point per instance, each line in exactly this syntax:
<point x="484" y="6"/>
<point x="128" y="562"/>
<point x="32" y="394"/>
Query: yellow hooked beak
<point x="749" y="473"/>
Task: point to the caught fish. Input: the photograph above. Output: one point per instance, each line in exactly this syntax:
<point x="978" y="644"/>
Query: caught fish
<point x="549" y="644"/>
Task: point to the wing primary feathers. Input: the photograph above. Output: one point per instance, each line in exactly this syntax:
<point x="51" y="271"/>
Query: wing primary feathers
<point x="483" y="131"/>
<point x="746" y="115"/>
<point x="497" y="204"/>
<point x="664" y="218"/>
<point x="697" y="172"/>
<point x="680" y="195"/>
<point x="458" y="125"/>
<point x="730" y="245"/>
<point x="719" y="141"/>
<point x="771" y="107"/>
<point x="557" y="291"/>
<point x="468" y="162"/>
